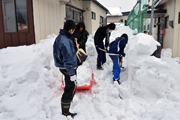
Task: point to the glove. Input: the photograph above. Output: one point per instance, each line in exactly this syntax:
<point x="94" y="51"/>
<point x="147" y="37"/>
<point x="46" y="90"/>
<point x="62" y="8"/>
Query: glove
<point x="121" y="55"/>
<point x="73" y="78"/>
<point x="106" y="49"/>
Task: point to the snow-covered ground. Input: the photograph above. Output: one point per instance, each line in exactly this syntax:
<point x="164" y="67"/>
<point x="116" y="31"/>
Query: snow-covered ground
<point x="30" y="84"/>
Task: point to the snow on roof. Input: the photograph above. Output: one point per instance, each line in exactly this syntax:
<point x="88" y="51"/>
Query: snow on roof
<point x="115" y="11"/>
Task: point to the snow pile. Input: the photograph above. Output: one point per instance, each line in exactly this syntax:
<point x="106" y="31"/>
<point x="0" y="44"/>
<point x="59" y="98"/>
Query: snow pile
<point x="30" y="84"/>
<point x="28" y="77"/>
<point x="166" y="53"/>
<point x="119" y="30"/>
<point x="83" y="75"/>
<point x="150" y="78"/>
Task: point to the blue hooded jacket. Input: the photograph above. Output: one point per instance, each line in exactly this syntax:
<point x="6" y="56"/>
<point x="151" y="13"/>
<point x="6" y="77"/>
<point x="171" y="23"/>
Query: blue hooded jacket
<point x="117" y="46"/>
<point x="64" y="53"/>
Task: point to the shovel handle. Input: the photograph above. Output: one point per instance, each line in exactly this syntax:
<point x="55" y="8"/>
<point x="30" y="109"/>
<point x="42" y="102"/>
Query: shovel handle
<point x="102" y="50"/>
<point x="76" y="43"/>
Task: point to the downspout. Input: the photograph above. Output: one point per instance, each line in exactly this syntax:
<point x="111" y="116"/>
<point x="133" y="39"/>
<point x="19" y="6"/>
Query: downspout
<point x="152" y="16"/>
<point x="174" y="12"/>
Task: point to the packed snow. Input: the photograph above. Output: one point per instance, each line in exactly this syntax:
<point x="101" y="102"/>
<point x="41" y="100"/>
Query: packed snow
<point x="30" y="84"/>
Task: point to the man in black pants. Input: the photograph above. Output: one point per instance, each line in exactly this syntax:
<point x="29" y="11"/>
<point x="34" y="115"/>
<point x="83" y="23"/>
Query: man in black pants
<point x="101" y="33"/>
<point x="65" y="59"/>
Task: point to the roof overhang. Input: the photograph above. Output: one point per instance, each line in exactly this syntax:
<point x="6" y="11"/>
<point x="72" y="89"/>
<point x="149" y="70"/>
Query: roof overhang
<point x="125" y="13"/>
<point x="159" y="3"/>
<point x="113" y="15"/>
<point x="157" y="13"/>
<point x="99" y="4"/>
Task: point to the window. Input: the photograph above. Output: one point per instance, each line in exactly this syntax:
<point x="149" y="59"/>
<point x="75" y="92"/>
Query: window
<point x="101" y="21"/>
<point x="121" y="20"/>
<point x="15" y="16"/>
<point x="93" y="15"/>
<point x="77" y="15"/>
<point x="73" y="14"/>
<point x="68" y="13"/>
<point x="167" y="22"/>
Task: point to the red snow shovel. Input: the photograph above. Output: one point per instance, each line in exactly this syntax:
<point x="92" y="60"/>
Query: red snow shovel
<point x="85" y="87"/>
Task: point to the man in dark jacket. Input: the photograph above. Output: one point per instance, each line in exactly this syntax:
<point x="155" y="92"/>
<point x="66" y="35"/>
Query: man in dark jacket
<point x="65" y="59"/>
<point x="100" y="34"/>
<point x="116" y="52"/>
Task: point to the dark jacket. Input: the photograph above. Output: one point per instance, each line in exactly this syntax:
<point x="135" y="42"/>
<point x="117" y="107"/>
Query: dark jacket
<point x="81" y="38"/>
<point x="64" y="53"/>
<point x="100" y="34"/>
<point x="117" y="47"/>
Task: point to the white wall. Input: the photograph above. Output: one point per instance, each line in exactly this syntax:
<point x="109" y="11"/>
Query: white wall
<point x="99" y="12"/>
<point x="87" y="16"/>
<point x="77" y="4"/>
<point x="168" y="37"/>
<point x="176" y="45"/>
<point x="48" y="18"/>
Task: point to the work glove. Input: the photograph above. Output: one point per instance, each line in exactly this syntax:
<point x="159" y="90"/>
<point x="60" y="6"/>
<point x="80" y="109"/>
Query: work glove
<point x="106" y="49"/>
<point x="121" y="55"/>
<point x="73" y="78"/>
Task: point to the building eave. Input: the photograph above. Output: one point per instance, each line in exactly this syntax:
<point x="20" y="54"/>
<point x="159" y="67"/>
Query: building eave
<point x="99" y="4"/>
<point x="113" y="15"/>
<point x="160" y="2"/>
<point x="157" y="13"/>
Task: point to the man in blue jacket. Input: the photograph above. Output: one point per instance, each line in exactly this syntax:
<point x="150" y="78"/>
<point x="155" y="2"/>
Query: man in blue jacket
<point x="65" y="59"/>
<point x="116" y="52"/>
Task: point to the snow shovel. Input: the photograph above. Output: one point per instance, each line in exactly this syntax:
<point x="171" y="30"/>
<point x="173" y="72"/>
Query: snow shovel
<point x="81" y="54"/>
<point x="102" y="50"/>
<point x="82" y="87"/>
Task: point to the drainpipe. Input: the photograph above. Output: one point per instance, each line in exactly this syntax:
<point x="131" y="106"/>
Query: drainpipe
<point x="174" y="12"/>
<point x="152" y="15"/>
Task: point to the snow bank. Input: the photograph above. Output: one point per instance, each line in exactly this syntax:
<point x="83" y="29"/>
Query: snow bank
<point x="30" y="84"/>
<point x="148" y="76"/>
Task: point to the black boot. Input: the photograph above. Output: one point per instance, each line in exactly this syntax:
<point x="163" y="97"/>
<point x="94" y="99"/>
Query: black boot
<point x="65" y="105"/>
<point x="117" y="81"/>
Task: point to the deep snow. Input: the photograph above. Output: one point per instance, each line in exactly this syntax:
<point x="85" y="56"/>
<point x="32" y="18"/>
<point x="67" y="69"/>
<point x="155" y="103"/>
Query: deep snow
<point x="30" y="84"/>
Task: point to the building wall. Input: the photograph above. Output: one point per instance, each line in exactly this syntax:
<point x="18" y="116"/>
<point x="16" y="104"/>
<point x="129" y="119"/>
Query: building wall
<point x="113" y="19"/>
<point x="48" y="17"/>
<point x="99" y="12"/>
<point x="87" y="16"/>
<point x="176" y="45"/>
<point x="168" y="37"/>
<point x="86" y="6"/>
<point x="124" y="18"/>
<point x="77" y="3"/>
<point x="172" y="36"/>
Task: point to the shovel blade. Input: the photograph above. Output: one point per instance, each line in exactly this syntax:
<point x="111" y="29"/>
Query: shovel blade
<point x="81" y="55"/>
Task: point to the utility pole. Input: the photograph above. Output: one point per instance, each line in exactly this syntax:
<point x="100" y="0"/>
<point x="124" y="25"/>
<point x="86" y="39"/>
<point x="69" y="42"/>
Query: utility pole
<point x="152" y="15"/>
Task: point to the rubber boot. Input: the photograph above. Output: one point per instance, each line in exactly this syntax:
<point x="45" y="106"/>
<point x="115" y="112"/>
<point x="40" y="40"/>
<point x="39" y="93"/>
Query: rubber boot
<point x="117" y="81"/>
<point x="65" y="105"/>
